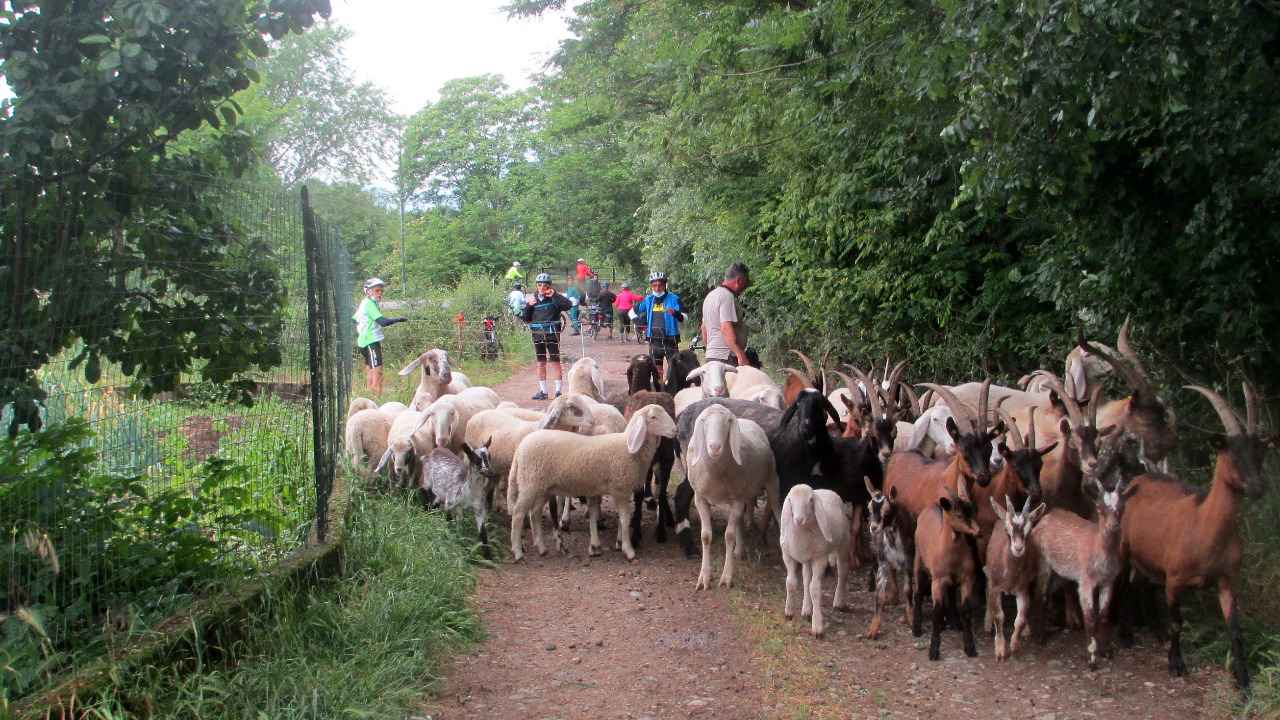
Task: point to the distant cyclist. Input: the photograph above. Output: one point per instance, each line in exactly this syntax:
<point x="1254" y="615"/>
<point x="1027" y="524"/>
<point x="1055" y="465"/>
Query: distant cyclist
<point x="515" y="301"/>
<point x="605" y="303"/>
<point x="542" y="313"/>
<point x="663" y="314"/>
<point x="514" y="273"/>
<point x="623" y="303"/>
<point x="369" y="324"/>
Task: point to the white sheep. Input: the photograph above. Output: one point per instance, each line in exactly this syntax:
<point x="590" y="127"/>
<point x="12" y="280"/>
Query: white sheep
<point x="360" y="403"/>
<point x="732" y="479"/>
<point x="505" y="431"/>
<point x="392" y="409"/>
<point x="812" y="529"/>
<point x="554" y="462"/>
<point x="713" y="375"/>
<point x="366" y="439"/>
<point x="586" y="378"/>
<point x="438" y="379"/>
<point x="768" y="395"/>
<point x="446" y="418"/>
<point x="742" y="383"/>
<point x="405" y="444"/>
<point x="449" y="482"/>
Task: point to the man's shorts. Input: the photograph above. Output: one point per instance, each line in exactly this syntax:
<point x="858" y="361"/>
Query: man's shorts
<point x="372" y="355"/>
<point x="606" y="318"/>
<point x="546" y="345"/>
<point x="662" y="347"/>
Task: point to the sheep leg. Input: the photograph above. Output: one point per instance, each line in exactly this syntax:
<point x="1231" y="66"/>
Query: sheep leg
<point x="966" y="616"/>
<point x="1089" y="610"/>
<point x="939" y="591"/>
<point x="842" y="575"/>
<point x="593" y="513"/>
<point x="806" y="587"/>
<point x="815" y="594"/>
<point x="704" y="518"/>
<point x="995" y="613"/>
<point x="623" y="502"/>
<point x="1231" y="613"/>
<point x="732" y="544"/>
<point x="519" y="510"/>
<point x="793" y="585"/>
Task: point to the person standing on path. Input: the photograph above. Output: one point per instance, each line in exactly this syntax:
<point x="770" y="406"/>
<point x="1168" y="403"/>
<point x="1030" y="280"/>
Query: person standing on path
<point x="605" y="302"/>
<point x="623" y="304"/>
<point x="723" y="329"/>
<point x="369" y="336"/>
<point x="663" y="314"/>
<point x="542" y="312"/>
<point x="574" y="293"/>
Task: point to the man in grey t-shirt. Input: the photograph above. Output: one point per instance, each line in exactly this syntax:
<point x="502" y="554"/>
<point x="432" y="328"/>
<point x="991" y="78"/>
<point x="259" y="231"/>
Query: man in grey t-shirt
<point x="722" y="323"/>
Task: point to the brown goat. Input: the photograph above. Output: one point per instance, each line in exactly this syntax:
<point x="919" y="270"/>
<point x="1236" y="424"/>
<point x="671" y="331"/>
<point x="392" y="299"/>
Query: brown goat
<point x="1018" y="478"/>
<point x="797" y="382"/>
<point x="1087" y="552"/>
<point x="1078" y="431"/>
<point x="1012" y="567"/>
<point x="920" y="481"/>
<point x="893" y="540"/>
<point x="1183" y="539"/>
<point x="945" y="559"/>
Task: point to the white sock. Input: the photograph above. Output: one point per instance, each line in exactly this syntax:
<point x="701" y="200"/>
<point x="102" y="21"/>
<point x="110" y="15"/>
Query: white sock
<point x="557" y="384"/>
<point x="542" y="386"/>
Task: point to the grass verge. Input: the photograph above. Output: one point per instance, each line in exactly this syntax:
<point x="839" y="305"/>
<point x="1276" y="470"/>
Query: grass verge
<point x="366" y="644"/>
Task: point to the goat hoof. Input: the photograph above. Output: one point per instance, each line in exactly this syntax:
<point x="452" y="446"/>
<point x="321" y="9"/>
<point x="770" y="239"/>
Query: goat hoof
<point x="702" y="584"/>
<point x="660" y="534"/>
<point x="816" y="633"/>
<point x="1177" y="668"/>
<point x="542" y="552"/>
<point x="971" y="651"/>
<point x="788" y="615"/>
<point x="726" y="582"/>
<point x="594" y="551"/>
<point x="1093" y="664"/>
<point x="935" y="654"/>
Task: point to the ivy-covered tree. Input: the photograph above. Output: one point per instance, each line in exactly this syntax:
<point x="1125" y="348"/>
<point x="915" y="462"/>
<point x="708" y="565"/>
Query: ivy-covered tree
<point x="105" y="237"/>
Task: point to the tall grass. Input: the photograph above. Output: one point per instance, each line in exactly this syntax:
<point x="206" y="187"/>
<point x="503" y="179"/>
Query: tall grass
<point x="366" y="645"/>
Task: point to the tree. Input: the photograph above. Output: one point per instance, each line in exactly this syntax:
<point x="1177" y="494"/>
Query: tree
<point x="106" y="240"/>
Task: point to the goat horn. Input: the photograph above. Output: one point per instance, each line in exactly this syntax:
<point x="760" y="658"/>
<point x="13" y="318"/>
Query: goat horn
<point x="1026" y="506"/>
<point x="822" y="370"/>
<point x="1095" y="399"/>
<point x="1230" y="420"/>
<point x="1073" y="409"/>
<point x="1024" y="381"/>
<point x="916" y="407"/>
<point x="1011" y="427"/>
<point x="1008" y="504"/>
<point x="926" y="401"/>
<point x="1031" y="431"/>
<point x="1133" y="374"/>
<point x="804" y="379"/>
<point x="848" y="381"/>
<point x="959" y="409"/>
<point x="1251" y="408"/>
<point x="872" y="392"/>
<point x="896" y="374"/>
<point x="984" y="401"/>
<point x="808" y="364"/>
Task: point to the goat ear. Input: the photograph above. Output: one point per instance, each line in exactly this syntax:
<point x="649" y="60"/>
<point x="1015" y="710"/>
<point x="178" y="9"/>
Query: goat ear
<point x="637" y="429"/>
<point x="488" y="442"/>
<point x="1107" y="430"/>
<point x="893" y="493"/>
<point x="1064" y="427"/>
<point x="1217" y="443"/>
<point x="999" y="510"/>
<point x="1129" y="490"/>
<point x="471" y="455"/>
<point x="1046" y="450"/>
<point x="945" y="504"/>
<point x="870" y="488"/>
<point x="631" y="372"/>
<point x="1005" y="452"/>
<point x="408" y="369"/>
<point x="953" y="430"/>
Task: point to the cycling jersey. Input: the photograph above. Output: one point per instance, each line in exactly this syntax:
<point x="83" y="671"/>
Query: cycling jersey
<point x="544" y="315"/>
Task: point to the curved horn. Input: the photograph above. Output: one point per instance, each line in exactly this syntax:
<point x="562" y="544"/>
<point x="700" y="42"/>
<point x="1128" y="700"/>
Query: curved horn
<point x="926" y="401"/>
<point x="895" y="375"/>
<point x="1251" y="408"/>
<point x="1095" y="399"/>
<point x="799" y="376"/>
<point x="808" y="364"/>
<point x="872" y="391"/>
<point x="959" y="409"/>
<point x="1011" y="427"/>
<point x="1228" y="416"/>
<point x="1073" y="409"/>
<point x="1031" y="431"/>
<point x="1132" y="374"/>
<point x="848" y="381"/>
<point x="917" y="408"/>
<point x="984" y="401"/>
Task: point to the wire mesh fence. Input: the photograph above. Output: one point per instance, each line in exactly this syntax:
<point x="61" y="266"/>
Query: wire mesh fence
<point x="173" y="383"/>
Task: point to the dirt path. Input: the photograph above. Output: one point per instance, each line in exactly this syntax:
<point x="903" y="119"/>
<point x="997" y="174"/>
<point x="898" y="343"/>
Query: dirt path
<point x="576" y="637"/>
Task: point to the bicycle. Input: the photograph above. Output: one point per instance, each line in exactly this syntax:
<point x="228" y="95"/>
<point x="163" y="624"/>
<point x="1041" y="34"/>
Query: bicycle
<point x="593" y="324"/>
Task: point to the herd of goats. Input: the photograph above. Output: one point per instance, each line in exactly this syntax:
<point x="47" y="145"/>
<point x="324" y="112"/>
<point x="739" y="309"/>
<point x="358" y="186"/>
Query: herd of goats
<point x="1015" y="491"/>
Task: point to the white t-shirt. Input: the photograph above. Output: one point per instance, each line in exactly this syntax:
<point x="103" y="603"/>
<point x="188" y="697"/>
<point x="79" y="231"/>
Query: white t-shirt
<point x="721" y="305"/>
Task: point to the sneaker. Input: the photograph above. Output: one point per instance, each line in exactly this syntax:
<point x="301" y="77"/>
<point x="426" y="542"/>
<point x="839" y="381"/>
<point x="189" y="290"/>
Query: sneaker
<point x="539" y="396"/>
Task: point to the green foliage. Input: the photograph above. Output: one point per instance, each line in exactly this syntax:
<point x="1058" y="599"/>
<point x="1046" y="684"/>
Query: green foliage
<point x="367" y="644"/>
<point x="84" y="545"/>
<point x="94" y="217"/>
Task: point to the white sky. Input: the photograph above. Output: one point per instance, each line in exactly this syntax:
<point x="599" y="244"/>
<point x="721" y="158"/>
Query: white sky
<point x="412" y="47"/>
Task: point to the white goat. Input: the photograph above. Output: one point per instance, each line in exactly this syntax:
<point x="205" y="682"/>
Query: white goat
<point x="404" y="445"/>
<point x="813" y="527"/>
<point x="732" y="479"/>
<point x="450" y="482"/>
<point x="553" y="462"/>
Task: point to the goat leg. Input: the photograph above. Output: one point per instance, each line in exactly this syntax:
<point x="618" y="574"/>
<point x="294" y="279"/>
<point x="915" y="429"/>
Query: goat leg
<point x="636" y="517"/>
<point x="939" y="593"/>
<point x="1090" y="612"/>
<point x="1177" y="666"/>
<point x="922" y="582"/>
<point x="967" y="602"/>
<point x="1103" y="621"/>
<point x="1231" y="613"/>
<point x="995" y="621"/>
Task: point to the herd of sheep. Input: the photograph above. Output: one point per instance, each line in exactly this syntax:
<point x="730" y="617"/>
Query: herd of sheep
<point x="1049" y="493"/>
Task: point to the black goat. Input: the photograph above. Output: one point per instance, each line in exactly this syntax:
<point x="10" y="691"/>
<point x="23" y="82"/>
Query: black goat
<point x="677" y="369"/>
<point x="801" y="443"/>
<point x="642" y="375"/>
<point x="659" y="471"/>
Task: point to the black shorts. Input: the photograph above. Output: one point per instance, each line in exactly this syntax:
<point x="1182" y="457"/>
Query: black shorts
<point x="624" y="319"/>
<point x="372" y="355"/>
<point x="546" y="345"/>
<point x="662" y="347"/>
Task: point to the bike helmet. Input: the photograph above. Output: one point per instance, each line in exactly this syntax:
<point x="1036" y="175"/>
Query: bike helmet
<point x="517" y="286"/>
<point x="626" y="286"/>
<point x="515" y="263"/>
<point x="657" y="275"/>
<point x="373" y="282"/>
<point x="543" y="277"/>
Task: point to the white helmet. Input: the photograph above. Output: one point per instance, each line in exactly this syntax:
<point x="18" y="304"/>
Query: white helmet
<point x="515" y="263"/>
<point x="373" y="282"/>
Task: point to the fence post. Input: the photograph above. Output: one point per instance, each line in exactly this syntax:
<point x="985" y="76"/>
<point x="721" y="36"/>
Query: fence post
<point x="315" y="336"/>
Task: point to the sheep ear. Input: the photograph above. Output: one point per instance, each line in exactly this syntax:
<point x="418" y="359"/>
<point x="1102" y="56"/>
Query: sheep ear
<point x="695" y="373"/>
<point x="552" y="417"/>
<point x="597" y="379"/>
<point x="735" y="441"/>
<point x="637" y="429"/>
<point x="408" y="369"/>
<point x="696" y="444"/>
<point x="386" y="458"/>
<point x="731" y="369"/>
<point x="828" y="524"/>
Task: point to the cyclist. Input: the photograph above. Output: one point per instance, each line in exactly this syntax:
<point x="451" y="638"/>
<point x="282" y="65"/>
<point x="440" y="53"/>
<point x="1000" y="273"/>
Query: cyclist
<point x="663" y="314"/>
<point x="515" y="301"/>
<point x="542" y="313"/>
<point x="625" y="300"/>
<point x="369" y="324"/>
<point x="514" y="273"/>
